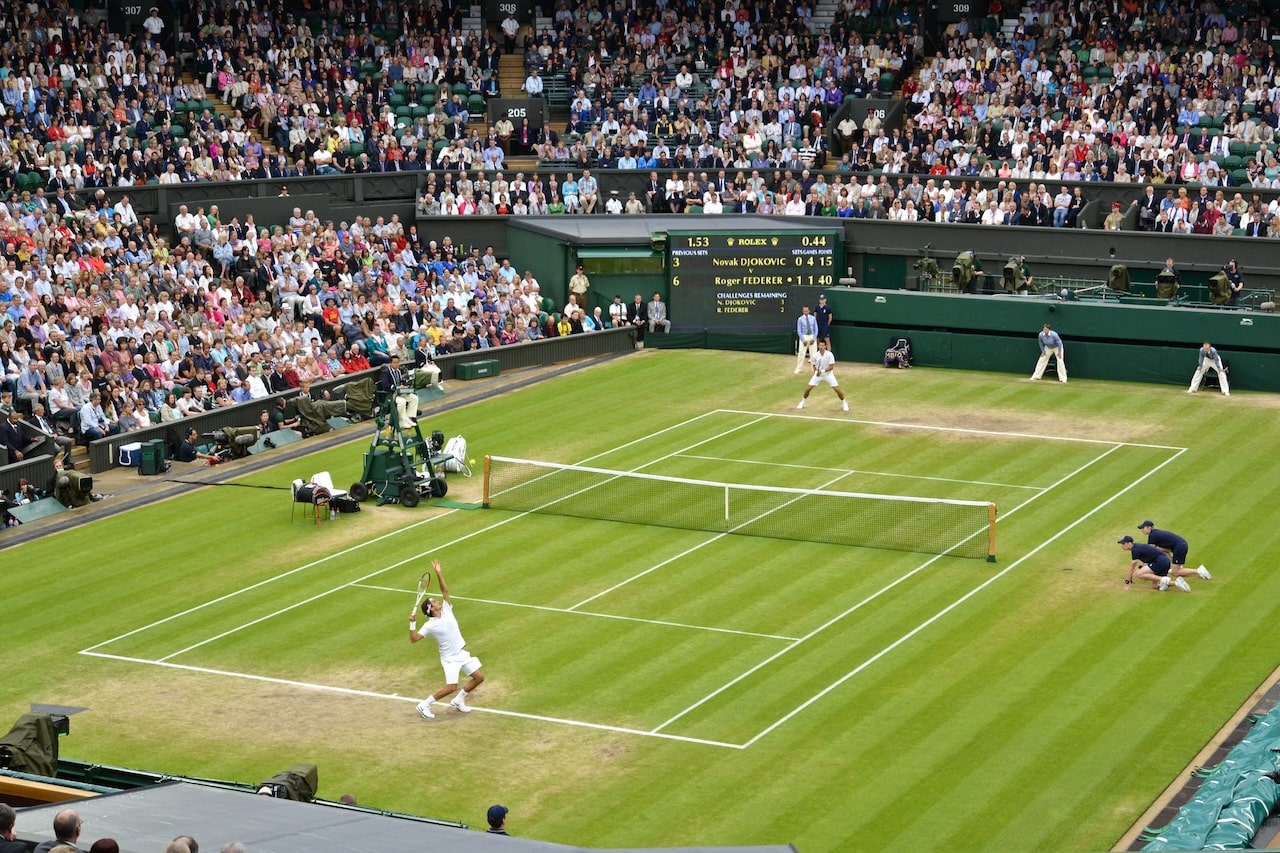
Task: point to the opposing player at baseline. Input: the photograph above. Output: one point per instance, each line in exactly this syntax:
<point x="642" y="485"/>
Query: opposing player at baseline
<point x="442" y="626"/>
<point x="824" y="365"/>
<point x="1177" y="547"/>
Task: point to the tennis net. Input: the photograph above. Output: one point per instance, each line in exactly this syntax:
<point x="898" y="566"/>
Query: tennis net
<point x="893" y="522"/>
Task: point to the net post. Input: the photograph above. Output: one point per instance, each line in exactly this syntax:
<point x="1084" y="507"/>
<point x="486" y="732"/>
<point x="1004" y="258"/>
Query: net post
<point x="726" y="506"/>
<point x="991" y="533"/>
<point x="485" y="500"/>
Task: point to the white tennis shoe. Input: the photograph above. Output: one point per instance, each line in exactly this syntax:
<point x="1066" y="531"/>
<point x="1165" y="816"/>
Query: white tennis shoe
<point x="846" y="405"/>
<point x="424" y="708"/>
<point x="460" y="705"/>
<point x="1204" y="573"/>
<point x="1164" y="583"/>
<point x="1181" y="583"/>
<point x="801" y="406"/>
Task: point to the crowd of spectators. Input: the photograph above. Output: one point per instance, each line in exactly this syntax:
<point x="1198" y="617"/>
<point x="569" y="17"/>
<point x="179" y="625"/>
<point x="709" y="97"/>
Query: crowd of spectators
<point x="110" y="319"/>
<point x="115" y="332"/>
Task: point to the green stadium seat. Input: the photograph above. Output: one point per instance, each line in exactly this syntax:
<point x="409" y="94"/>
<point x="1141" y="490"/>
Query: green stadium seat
<point x="355" y="149"/>
<point x="396" y="101"/>
<point x="403" y="111"/>
<point x="476" y="104"/>
<point x="460" y="89"/>
<point x="420" y="111"/>
<point x="429" y="93"/>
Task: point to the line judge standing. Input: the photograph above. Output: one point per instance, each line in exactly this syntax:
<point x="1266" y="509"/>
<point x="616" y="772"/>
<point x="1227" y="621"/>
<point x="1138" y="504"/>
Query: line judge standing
<point x="807" y="332"/>
<point x="1050" y="345"/>
<point x="1208" y="358"/>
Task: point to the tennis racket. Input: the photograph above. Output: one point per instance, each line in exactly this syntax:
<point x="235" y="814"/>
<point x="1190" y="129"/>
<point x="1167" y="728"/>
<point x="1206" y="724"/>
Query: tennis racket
<point x="424" y="583"/>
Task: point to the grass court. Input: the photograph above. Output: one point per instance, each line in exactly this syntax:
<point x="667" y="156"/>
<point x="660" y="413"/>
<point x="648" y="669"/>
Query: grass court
<point x="652" y="686"/>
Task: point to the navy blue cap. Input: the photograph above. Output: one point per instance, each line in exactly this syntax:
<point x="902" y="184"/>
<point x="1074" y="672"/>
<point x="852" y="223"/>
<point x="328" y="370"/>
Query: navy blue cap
<point x="497" y="814"/>
<point x="1125" y="539"/>
<point x="1146" y="524"/>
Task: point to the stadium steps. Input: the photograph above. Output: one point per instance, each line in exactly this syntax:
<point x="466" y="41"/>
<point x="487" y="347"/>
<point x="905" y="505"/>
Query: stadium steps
<point x="225" y="110"/>
<point x="824" y="16"/>
<point x="521" y="164"/>
<point x="79" y="459"/>
<point x="511" y="75"/>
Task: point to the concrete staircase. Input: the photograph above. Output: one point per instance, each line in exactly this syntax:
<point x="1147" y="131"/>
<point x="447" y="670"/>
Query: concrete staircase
<point x="225" y="110"/>
<point x="824" y="16"/>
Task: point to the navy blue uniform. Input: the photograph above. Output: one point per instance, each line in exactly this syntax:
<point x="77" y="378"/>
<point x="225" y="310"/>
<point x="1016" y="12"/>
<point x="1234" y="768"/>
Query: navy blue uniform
<point x="823" y="313"/>
<point x="1151" y="555"/>
<point x="1172" y="541"/>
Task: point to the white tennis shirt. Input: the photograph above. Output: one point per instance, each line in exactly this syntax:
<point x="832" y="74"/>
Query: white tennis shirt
<point x="445" y="631"/>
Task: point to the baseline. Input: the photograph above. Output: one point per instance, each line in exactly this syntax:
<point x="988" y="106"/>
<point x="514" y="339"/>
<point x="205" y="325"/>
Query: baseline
<point x="965" y="430"/>
<point x="350" y="691"/>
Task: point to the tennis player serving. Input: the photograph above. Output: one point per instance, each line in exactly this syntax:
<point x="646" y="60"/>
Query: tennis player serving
<point x="824" y="366"/>
<point x="442" y="626"/>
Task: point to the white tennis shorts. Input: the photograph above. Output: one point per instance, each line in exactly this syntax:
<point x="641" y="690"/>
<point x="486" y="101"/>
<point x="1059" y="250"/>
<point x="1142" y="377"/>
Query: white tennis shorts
<point x="819" y="378"/>
<point x="465" y="663"/>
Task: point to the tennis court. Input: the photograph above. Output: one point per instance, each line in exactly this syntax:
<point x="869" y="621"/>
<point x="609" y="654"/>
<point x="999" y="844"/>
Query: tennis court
<point x="679" y="623"/>
<point x="677" y="684"/>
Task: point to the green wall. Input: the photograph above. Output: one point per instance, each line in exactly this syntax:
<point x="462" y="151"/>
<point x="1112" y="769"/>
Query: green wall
<point x="546" y="257"/>
<point x="1102" y="340"/>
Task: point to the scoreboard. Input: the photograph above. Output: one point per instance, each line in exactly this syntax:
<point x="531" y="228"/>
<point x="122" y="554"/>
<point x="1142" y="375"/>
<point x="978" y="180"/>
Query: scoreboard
<point x="743" y="280"/>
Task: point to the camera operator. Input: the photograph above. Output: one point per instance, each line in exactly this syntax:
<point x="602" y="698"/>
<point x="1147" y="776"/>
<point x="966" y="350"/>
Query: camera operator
<point x="188" y="450"/>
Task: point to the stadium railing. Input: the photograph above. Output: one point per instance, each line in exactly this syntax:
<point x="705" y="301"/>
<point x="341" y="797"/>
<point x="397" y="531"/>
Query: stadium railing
<point x="105" y="452"/>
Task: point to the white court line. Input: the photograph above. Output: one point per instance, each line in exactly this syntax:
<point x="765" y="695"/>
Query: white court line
<point x="925" y="624"/>
<point x="873" y="597"/>
<point x="348" y="691"/>
<point x="716" y="538"/>
<point x="548" y="609"/>
<point x="956" y="429"/>
<point x="360" y="545"/>
<point x="858" y="471"/>
<point x="398" y="564"/>
<point x="656" y="732"/>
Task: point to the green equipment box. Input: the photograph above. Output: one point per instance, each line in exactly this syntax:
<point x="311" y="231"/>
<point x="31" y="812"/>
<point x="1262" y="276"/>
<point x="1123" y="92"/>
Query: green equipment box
<point x="477" y="369"/>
